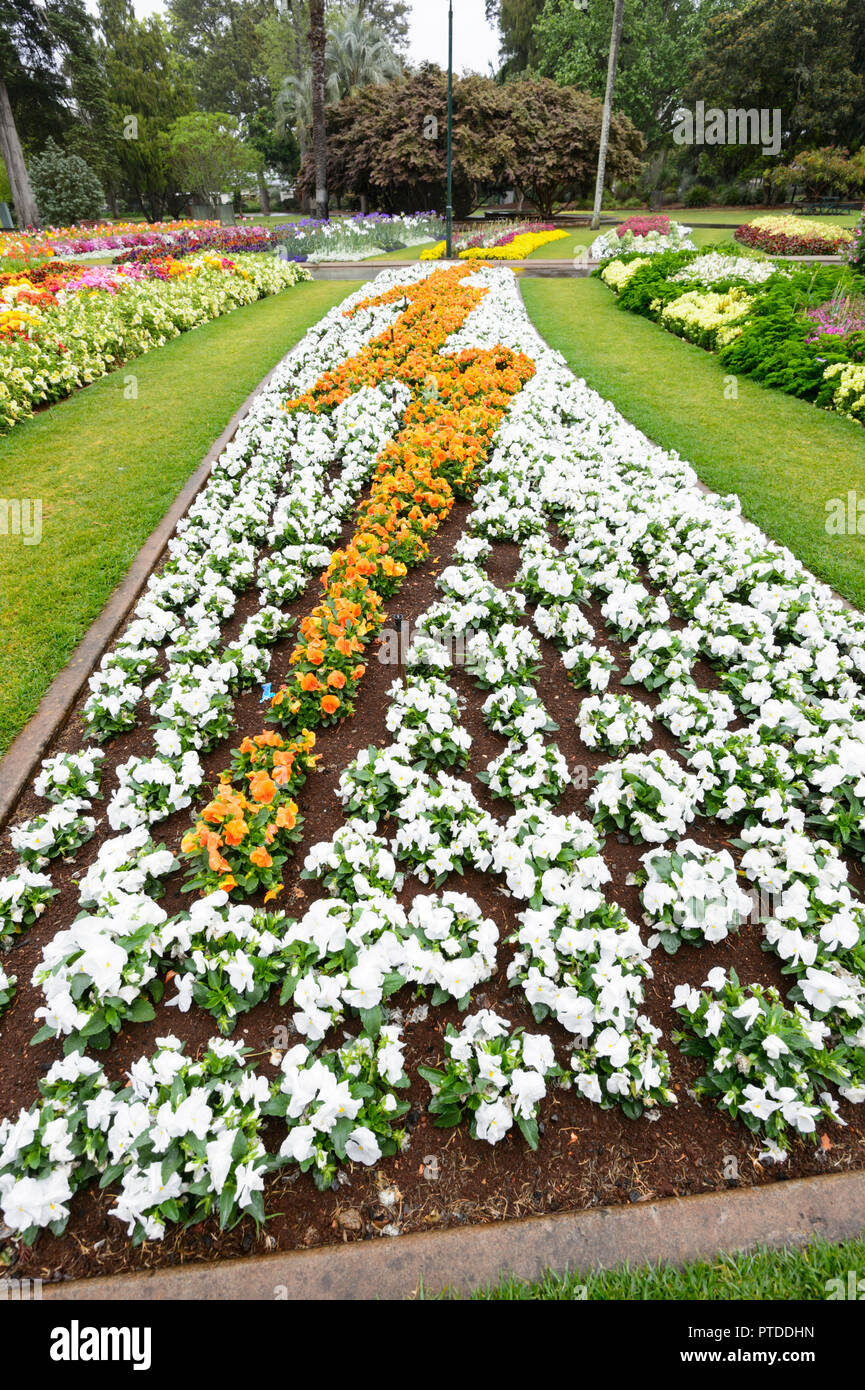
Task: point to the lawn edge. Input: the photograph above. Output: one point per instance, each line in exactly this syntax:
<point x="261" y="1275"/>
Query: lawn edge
<point x="24" y="754"/>
<point x="674" y="1230"/>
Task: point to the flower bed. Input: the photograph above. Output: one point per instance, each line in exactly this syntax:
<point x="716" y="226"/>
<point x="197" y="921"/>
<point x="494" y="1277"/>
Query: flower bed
<point x="794" y="236"/>
<point x="511" y="244"/>
<point x="338" y="239"/>
<point x="649" y="236"/>
<point x="63" y="331"/>
<point x="470" y="952"/>
<point x="798" y="329"/>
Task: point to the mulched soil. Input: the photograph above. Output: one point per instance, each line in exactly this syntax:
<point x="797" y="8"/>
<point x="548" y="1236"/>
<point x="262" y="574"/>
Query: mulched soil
<point x="587" y="1156"/>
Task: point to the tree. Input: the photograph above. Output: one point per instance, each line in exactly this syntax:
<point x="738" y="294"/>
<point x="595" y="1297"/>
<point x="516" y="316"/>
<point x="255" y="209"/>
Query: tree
<point x="222" y="41"/>
<point x="37" y="41"/>
<point x="615" y="41"/>
<point x="660" y="41"/>
<point x="13" y="158"/>
<point x="318" y="44"/>
<point x="66" y="188"/>
<point x="149" y="85"/>
<point x="389" y="16"/>
<point x="207" y="153"/>
<point x="387" y="143"/>
<point x="358" y="52"/>
<point x="805" y="58"/>
<point x="556" y="135"/>
<point x="824" y="172"/>
<point x="516" y="20"/>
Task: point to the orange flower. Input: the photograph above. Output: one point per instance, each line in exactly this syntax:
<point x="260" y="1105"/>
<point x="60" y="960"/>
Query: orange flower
<point x="262" y="787"/>
<point x="286" y="816"/>
<point x="330" y="704"/>
<point x="336" y="680"/>
<point x="235" y="830"/>
<point x="260" y="858"/>
<point x="309" y="681"/>
<point x="227" y="883"/>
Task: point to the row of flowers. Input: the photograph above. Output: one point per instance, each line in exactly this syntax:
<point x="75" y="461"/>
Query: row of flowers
<point x="512" y="244"/>
<point x="802" y="330"/>
<point x="457" y="402"/>
<point x="352" y="238"/>
<point x="99" y="319"/>
<point x="93" y="238"/>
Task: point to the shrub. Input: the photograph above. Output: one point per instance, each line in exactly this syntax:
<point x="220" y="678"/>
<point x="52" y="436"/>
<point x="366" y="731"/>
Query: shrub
<point x="697" y="196"/>
<point x="65" y="187"/>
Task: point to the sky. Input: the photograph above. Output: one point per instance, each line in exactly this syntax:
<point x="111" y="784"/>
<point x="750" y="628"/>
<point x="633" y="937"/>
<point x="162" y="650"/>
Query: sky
<point x="476" y="44"/>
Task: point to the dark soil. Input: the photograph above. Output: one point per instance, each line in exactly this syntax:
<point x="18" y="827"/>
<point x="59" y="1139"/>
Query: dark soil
<point x="587" y="1156"/>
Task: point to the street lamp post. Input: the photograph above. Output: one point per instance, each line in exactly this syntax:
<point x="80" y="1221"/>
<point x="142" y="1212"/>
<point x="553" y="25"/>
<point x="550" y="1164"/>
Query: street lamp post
<point x="449" y="213"/>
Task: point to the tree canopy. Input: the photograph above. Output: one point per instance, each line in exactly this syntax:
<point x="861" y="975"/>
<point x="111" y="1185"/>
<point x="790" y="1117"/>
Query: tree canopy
<point x="388" y="143"/>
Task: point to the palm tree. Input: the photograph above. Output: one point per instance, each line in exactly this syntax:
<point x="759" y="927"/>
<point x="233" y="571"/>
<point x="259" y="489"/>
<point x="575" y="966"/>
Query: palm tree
<point x="357" y="54"/>
<point x="318" y="46"/>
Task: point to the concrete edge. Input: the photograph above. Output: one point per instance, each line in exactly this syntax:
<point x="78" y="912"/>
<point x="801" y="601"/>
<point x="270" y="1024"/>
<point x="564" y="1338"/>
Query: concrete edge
<point x="676" y="1230"/>
<point x="25" y="753"/>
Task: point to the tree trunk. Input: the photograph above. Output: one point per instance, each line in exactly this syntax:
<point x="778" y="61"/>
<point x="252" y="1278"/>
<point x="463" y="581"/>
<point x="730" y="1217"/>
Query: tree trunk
<point x="263" y="195"/>
<point x="13" y="158"/>
<point x="317" y="41"/>
<point x="615" y="40"/>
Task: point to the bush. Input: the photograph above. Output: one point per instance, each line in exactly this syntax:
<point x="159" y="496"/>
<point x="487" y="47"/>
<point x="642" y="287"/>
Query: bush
<point x="698" y="196"/>
<point x="65" y="187"/>
<point x="773" y="348"/>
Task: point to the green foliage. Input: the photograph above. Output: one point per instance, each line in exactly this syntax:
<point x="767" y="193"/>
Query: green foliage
<point x="660" y="40"/>
<point x="382" y="144"/>
<point x="65" y="187"/>
<point x="772" y="346"/>
<point x="207" y="153"/>
<point x="651" y="281"/>
<point x="697" y="196"/>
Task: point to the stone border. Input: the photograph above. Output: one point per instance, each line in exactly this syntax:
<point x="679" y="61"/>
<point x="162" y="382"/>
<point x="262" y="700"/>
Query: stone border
<point x="21" y="761"/>
<point x="676" y="1230"/>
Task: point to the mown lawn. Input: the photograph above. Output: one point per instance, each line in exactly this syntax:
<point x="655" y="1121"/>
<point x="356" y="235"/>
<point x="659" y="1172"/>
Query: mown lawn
<point x="760" y="1275"/>
<point x="107" y="468"/>
<point x="783" y="457"/>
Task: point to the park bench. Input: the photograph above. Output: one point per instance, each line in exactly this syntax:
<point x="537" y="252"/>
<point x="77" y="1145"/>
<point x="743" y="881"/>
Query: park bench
<point x="818" y="205"/>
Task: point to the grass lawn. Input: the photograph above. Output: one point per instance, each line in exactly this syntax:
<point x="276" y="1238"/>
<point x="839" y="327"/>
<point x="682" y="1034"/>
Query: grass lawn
<point x="762" y="1274"/>
<point x="411" y="253"/>
<point x="783" y="457"/>
<point x="108" y="468"/>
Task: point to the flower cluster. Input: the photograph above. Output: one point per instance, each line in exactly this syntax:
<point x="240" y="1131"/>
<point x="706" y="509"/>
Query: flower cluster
<point x="340" y="1107"/>
<point x="691" y="894"/>
<point x="498" y="1076"/>
<point x="614" y="722"/>
<point x="646" y="795"/>
<point x="766" y="1064"/>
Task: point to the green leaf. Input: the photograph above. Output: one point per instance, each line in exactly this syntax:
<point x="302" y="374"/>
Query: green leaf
<point x="529" y="1130"/>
